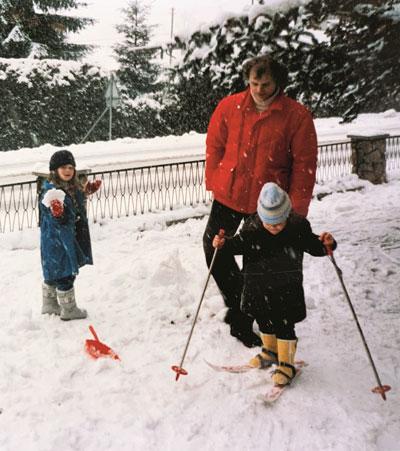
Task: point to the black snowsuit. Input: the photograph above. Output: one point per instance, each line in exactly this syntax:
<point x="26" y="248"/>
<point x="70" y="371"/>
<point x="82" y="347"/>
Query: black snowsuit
<point x="273" y="270"/>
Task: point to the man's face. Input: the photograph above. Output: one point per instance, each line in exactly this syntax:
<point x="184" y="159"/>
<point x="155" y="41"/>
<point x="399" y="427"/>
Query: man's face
<point x="261" y="88"/>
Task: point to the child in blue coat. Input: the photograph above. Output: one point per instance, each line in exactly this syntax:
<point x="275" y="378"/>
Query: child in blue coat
<point x="272" y="244"/>
<point x="64" y="235"/>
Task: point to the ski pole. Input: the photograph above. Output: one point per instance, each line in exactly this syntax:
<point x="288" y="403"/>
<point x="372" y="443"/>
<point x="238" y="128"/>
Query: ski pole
<point x="178" y="368"/>
<point x="381" y="389"/>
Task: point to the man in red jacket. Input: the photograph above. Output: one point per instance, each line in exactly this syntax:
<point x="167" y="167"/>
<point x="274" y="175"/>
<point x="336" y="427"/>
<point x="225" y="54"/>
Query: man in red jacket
<point x="256" y="136"/>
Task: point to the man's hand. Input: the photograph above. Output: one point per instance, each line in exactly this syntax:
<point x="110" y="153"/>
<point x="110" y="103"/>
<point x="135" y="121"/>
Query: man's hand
<point x="327" y="241"/>
<point x="92" y="187"/>
<point x="56" y="208"/>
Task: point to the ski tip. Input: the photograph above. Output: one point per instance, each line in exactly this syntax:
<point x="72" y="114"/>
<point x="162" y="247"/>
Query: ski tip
<point x="273" y="394"/>
<point x="301" y="363"/>
<point x="276" y="391"/>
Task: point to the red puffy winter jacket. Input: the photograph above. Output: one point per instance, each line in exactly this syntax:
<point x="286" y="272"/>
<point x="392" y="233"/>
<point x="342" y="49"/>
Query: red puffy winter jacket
<point x="246" y="149"/>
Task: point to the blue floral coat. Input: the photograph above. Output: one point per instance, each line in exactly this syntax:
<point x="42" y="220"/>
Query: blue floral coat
<point x="64" y="242"/>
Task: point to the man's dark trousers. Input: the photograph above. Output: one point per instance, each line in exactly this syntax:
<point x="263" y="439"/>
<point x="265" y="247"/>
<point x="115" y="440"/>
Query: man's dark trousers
<point x="226" y="272"/>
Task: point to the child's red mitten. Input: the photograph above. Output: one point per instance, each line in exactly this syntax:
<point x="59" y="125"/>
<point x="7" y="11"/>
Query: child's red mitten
<point x="92" y="187"/>
<point x="56" y="208"/>
<point x="218" y="242"/>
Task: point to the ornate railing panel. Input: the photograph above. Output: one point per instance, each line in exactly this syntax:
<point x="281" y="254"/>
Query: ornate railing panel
<point x="134" y="191"/>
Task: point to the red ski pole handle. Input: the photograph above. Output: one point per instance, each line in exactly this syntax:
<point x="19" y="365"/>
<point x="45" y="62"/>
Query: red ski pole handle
<point x="217" y="242"/>
<point x="179" y="371"/>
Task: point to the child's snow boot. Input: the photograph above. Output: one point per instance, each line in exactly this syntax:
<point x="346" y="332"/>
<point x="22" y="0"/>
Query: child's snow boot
<point x="69" y="310"/>
<point x="49" y="300"/>
<point x="285" y="370"/>
<point x="269" y="352"/>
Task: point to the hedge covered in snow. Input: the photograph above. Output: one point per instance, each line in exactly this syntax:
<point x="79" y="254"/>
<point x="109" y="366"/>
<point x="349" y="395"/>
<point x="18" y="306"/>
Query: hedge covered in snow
<point x="56" y="102"/>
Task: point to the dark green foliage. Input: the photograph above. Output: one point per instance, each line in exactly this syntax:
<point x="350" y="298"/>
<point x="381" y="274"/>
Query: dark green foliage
<point x="343" y="58"/>
<point x="138" y="71"/>
<point x="211" y="68"/>
<point x="49" y="104"/>
<point x="57" y="103"/>
<point x="368" y="39"/>
<point x="25" y="32"/>
<point x="191" y="103"/>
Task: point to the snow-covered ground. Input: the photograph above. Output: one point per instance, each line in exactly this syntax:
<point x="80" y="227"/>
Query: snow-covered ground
<point x="141" y="296"/>
<point x="128" y="152"/>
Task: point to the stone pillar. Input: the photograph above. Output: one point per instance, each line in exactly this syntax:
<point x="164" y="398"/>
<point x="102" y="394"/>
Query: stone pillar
<point x="368" y="157"/>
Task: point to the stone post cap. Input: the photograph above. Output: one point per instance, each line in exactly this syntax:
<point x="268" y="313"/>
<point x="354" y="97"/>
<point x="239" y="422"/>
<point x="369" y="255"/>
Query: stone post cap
<point x="369" y="136"/>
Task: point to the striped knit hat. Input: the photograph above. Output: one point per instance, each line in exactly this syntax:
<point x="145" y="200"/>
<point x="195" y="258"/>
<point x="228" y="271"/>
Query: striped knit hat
<point x="273" y="206"/>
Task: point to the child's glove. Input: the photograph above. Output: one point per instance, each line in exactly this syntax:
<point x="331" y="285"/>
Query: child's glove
<point x="218" y="242"/>
<point x="327" y="241"/>
<point x="56" y="208"/>
<point x="92" y="187"/>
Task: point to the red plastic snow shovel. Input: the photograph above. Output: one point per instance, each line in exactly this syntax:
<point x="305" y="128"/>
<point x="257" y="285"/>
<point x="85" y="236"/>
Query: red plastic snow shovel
<point x="95" y="348"/>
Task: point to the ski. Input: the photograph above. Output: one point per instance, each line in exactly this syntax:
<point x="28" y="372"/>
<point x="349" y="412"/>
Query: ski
<point x="276" y="391"/>
<point x="245" y="368"/>
<point x="231" y="368"/>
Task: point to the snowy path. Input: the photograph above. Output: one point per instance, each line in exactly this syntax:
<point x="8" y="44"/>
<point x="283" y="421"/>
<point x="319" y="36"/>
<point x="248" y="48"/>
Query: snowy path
<point x="141" y="295"/>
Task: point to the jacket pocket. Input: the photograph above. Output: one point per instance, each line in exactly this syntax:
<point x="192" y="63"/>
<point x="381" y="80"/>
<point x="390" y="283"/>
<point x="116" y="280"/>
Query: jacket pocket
<point x="224" y="178"/>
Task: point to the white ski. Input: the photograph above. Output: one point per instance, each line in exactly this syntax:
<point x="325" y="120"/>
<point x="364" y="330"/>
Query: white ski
<point x="231" y="368"/>
<point x="276" y="391"/>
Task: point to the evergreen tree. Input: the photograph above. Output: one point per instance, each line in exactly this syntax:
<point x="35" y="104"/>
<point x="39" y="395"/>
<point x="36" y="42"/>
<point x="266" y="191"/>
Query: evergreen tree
<point x="211" y="67"/>
<point x="343" y="58"/>
<point x="139" y="74"/>
<point x="366" y="36"/>
<point x="138" y="71"/>
<point x="32" y="28"/>
<point x="191" y="100"/>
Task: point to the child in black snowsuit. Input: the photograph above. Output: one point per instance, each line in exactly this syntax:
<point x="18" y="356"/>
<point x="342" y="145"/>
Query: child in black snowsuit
<point x="272" y="244"/>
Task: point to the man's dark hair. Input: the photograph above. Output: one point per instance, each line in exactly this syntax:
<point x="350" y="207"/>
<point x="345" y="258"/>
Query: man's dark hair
<point x="266" y="65"/>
